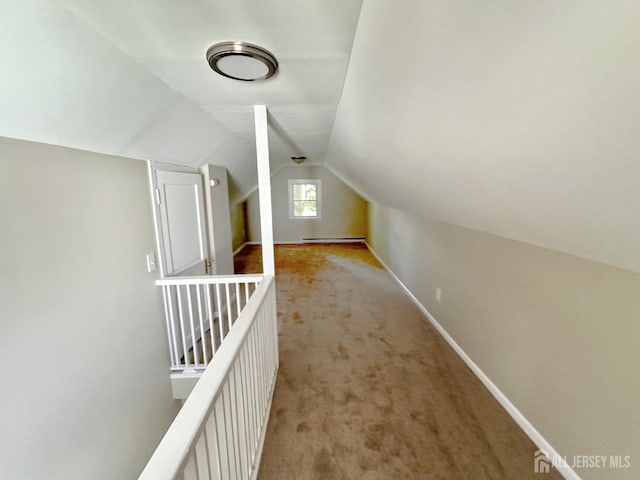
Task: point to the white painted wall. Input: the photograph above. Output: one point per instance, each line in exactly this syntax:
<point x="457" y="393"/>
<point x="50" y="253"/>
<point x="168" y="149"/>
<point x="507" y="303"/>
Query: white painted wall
<point x="344" y="213"/>
<point x="557" y="334"/>
<point x="85" y="384"/>
<point x="520" y="119"/>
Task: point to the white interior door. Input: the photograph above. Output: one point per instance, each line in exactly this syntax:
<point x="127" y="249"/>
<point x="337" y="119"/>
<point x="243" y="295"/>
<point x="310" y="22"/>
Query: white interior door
<point x="182" y="219"/>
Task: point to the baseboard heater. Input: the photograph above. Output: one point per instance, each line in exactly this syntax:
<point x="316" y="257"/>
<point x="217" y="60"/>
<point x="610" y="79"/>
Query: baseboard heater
<point x="334" y="240"/>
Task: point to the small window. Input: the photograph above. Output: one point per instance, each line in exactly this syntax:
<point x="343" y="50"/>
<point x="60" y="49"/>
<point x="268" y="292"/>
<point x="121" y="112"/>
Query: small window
<point x="304" y="198"/>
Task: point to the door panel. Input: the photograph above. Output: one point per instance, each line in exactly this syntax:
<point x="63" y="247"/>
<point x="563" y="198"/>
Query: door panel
<point x="183" y="223"/>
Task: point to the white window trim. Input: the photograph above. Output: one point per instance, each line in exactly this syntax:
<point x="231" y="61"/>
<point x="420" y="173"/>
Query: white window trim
<point x="318" y="184"/>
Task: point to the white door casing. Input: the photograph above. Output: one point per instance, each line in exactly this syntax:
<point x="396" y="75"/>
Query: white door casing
<point x="182" y="223"/>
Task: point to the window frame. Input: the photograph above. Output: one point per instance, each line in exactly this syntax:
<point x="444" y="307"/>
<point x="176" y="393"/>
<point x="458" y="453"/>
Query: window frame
<point x="302" y="181"/>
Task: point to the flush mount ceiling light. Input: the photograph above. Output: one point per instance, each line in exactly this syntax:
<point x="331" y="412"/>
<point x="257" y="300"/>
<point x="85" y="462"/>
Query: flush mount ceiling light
<point x="299" y="159"/>
<point x="242" y="61"/>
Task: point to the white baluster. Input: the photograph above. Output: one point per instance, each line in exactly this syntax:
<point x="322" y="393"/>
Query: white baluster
<point x="185" y="351"/>
<point x="203" y="337"/>
<point x="196" y="357"/>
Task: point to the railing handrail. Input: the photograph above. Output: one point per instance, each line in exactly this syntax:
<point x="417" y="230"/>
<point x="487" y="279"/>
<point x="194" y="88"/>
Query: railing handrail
<point x="210" y="279"/>
<point x="174" y="448"/>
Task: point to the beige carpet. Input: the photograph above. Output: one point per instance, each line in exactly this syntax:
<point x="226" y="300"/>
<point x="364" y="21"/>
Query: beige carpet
<point x="367" y="389"/>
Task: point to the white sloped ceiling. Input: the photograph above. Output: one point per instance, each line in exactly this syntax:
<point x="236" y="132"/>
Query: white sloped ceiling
<point x="515" y="118"/>
<point x="130" y="78"/>
<point x="521" y="119"/>
<point x="312" y="41"/>
<point x="63" y="83"/>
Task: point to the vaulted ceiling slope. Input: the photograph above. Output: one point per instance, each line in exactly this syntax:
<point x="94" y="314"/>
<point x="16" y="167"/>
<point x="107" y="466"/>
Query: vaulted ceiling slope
<point x="130" y="77"/>
<point x="521" y="119"/>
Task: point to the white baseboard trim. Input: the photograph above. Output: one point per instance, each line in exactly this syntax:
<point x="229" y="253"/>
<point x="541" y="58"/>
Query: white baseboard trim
<point x="239" y="249"/>
<point x="333" y="240"/>
<point x="291" y="242"/>
<point x="307" y="240"/>
<point x="536" y="437"/>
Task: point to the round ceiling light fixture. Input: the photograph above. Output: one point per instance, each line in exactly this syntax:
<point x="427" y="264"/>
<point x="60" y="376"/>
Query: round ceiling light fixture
<point x="298" y="159"/>
<point x="242" y="61"/>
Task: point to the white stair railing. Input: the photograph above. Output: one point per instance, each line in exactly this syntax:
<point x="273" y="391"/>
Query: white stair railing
<point x="219" y="432"/>
<point x="200" y="312"/>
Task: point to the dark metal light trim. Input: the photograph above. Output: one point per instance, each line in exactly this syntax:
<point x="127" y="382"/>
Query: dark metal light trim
<point x="224" y="49"/>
